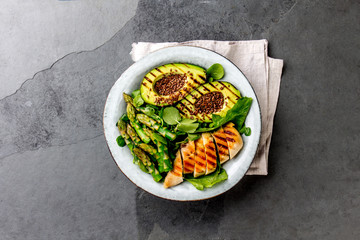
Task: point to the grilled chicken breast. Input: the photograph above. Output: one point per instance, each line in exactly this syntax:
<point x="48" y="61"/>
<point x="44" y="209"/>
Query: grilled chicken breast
<point x="188" y="156"/>
<point x="233" y="139"/>
<point x="200" y="158"/>
<point x="210" y="152"/>
<point x="175" y="176"/>
<point x="221" y="145"/>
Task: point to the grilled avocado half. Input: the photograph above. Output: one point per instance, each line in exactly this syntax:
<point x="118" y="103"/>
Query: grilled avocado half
<point x="169" y="83"/>
<point x="211" y="98"/>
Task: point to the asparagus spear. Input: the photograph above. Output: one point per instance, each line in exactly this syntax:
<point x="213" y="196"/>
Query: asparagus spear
<point x="144" y="110"/>
<point x="162" y="156"/>
<point x="151" y="123"/>
<point x="133" y="135"/>
<point x="130" y="144"/>
<point x="148" y="164"/>
<point x="128" y="99"/>
<point x="131" y="112"/>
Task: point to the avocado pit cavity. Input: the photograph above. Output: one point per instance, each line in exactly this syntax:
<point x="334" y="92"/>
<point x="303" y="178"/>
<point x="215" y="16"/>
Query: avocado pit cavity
<point x="209" y="103"/>
<point x="170" y="83"/>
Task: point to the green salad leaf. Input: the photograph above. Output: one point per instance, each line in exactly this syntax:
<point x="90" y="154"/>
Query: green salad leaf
<point x="193" y="136"/>
<point x="120" y="141"/>
<point x="171" y="116"/>
<point x="188" y="125"/>
<point x="208" y="181"/>
<point x="215" y="72"/>
<point x="138" y="101"/>
<point x="245" y="130"/>
<point x="151" y="112"/>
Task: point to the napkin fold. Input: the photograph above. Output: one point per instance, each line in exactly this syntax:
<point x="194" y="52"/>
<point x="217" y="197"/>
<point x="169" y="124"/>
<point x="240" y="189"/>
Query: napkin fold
<point x="263" y="72"/>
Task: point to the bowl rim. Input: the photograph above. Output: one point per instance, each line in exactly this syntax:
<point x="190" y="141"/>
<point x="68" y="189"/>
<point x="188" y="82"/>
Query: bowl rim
<point x="258" y="140"/>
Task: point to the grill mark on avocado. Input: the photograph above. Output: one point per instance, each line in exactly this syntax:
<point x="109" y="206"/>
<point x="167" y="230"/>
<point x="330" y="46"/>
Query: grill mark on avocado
<point x="158" y="70"/>
<point x="204" y="79"/>
<point x="185" y="106"/>
<point x="148" y="79"/>
<point x="188" y="101"/>
<point x="180" y="69"/>
<point x="185" y="65"/>
<point x="199" y="92"/>
<point x="229" y="89"/>
<point x="206" y="88"/>
<point x="152" y="74"/>
<point x="211" y="84"/>
<point x="196" y="81"/>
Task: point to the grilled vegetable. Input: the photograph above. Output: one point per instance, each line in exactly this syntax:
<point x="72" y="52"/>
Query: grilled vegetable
<point x="148" y="164"/>
<point x="170" y="83"/>
<point x="131" y="113"/>
<point x="211" y="98"/>
<point x="162" y="155"/>
<point x="151" y="123"/>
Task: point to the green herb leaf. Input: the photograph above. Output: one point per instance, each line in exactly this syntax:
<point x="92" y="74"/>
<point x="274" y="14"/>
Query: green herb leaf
<point x="208" y="181"/>
<point x="216" y="71"/>
<point x="193" y="136"/>
<point x="151" y="112"/>
<point x="138" y="101"/>
<point x="187" y="125"/>
<point x="237" y="114"/>
<point x="171" y="116"/>
<point x="245" y="130"/>
<point x="124" y="118"/>
<point x="120" y="141"/>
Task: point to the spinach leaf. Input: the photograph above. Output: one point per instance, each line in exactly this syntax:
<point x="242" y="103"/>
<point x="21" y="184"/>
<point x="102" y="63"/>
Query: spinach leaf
<point x="120" y="141"/>
<point x="245" y="130"/>
<point x="125" y="118"/>
<point x="138" y="101"/>
<point x="187" y="125"/>
<point x="215" y="72"/>
<point x="151" y="112"/>
<point x="193" y="136"/>
<point x="208" y="181"/>
<point x="171" y="116"/>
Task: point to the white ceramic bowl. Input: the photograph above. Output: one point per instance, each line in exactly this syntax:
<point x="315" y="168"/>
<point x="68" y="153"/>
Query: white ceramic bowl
<point x="130" y="80"/>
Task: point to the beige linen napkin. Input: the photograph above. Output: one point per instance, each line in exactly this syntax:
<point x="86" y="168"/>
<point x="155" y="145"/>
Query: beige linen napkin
<point x="263" y="72"/>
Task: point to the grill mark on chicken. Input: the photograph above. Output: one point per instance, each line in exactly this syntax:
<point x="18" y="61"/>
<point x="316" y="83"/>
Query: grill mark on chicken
<point x="229" y="132"/>
<point x="212" y="163"/>
<point x="210" y="147"/>
<point x="230" y="139"/>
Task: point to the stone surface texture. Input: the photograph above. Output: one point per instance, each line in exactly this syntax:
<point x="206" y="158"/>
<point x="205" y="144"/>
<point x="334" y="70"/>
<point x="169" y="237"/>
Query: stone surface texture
<point x="57" y="177"/>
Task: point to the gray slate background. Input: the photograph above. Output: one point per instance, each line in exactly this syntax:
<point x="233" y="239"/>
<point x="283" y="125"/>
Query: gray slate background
<point x="58" y="180"/>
